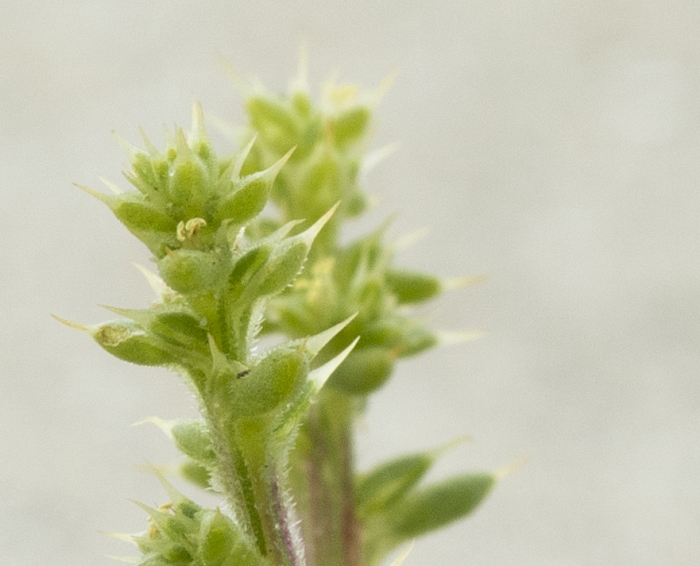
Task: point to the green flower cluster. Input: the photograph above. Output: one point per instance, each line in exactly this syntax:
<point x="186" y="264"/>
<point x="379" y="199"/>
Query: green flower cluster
<point x="183" y="533"/>
<point x="330" y="142"/>
<point x="276" y="434"/>
<point x="326" y="164"/>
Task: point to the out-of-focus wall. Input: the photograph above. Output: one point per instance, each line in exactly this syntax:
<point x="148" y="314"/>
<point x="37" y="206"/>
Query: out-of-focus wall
<point x="552" y="145"/>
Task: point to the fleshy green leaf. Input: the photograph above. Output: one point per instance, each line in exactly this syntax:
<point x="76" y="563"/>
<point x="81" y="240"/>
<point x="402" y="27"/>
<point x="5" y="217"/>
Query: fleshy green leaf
<point x="389" y="482"/>
<point x="440" y="504"/>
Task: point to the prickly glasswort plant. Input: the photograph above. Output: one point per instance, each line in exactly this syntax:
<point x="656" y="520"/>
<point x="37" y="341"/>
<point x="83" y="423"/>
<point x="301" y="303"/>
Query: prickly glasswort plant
<point x="275" y="438"/>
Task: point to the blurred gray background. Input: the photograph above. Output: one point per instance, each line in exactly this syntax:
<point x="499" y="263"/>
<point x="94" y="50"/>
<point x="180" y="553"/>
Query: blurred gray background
<point x="552" y="145"/>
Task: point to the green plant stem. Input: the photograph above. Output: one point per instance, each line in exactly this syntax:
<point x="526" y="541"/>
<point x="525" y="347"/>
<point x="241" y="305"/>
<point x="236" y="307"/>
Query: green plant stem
<point x="334" y="530"/>
<point x="234" y="479"/>
<point x="255" y="487"/>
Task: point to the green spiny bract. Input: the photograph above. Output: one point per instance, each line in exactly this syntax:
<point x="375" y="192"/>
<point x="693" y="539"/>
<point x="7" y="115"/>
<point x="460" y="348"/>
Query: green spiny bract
<point x="189" y="199"/>
<point x="182" y="533"/>
<point x="271" y="435"/>
<point x="356" y="279"/>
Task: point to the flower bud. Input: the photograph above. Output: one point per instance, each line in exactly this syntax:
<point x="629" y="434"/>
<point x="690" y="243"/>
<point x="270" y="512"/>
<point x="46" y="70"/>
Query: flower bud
<point x="364" y="371"/>
<point x="216" y="538"/>
<point x="176" y="554"/>
<point x="355" y="203"/>
<point x="250" y="195"/>
<point x="268" y="383"/>
<point x="182" y="329"/>
<point x="274" y="123"/>
<point x="320" y="182"/>
<point x="188" y="508"/>
<point x="302" y="103"/>
<point x="245" y="269"/>
<point x="246" y="203"/>
<point x="195" y="473"/>
<point x="282" y="269"/>
<point x="351" y="125"/>
<point x="143" y="168"/>
<point x="288" y="258"/>
<point x="440" y="504"/>
<point x="141" y="218"/>
<point x="187" y="181"/>
<point x="193" y="440"/>
<point x="189" y="178"/>
<point x="415" y="339"/>
<point x="221" y="544"/>
<point x="384" y="332"/>
<point x="190" y="271"/>
<point x="128" y="341"/>
<point x="170" y="522"/>
<point x="412" y="287"/>
<point x="161" y="169"/>
<point x="136" y="214"/>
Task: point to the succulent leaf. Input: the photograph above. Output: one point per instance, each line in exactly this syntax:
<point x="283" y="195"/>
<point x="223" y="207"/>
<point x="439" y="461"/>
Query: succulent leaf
<point x="412" y="287"/>
<point x="364" y="371"/>
<point x="388" y="483"/>
<point x="269" y="382"/>
<point x="131" y="343"/>
<point x="191" y="271"/>
<point x="440" y="504"/>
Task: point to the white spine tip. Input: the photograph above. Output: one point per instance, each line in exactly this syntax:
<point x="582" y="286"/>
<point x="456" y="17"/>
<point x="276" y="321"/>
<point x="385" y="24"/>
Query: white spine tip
<point x="165" y="426"/>
<point x="452" y="338"/>
<point x="183" y="148"/>
<point x="410" y="239"/>
<point x="117" y="310"/>
<point x="242" y="156"/>
<point x="274" y="169"/>
<point x="310" y="234"/>
<point x="128" y="147"/>
<point x="152" y="149"/>
<point x="374" y="158"/>
<point x="452" y="444"/>
<point x="282" y="232"/>
<point x="508" y="469"/>
<point x="199" y="131"/>
<point x="320" y="375"/>
<point x="383" y="88"/>
<point x="93" y="193"/>
<point x="400" y="559"/>
<point x="71" y="324"/>
<point x="239" y="83"/>
<point x="111" y="186"/>
<point x="314" y="344"/>
<point x="156" y="283"/>
<point x="459" y="282"/>
<point x="173" y="493"/>
<point x="168" y="135"/>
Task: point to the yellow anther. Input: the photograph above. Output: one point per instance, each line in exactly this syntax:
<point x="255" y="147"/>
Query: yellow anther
<point x="189" y="229"/>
